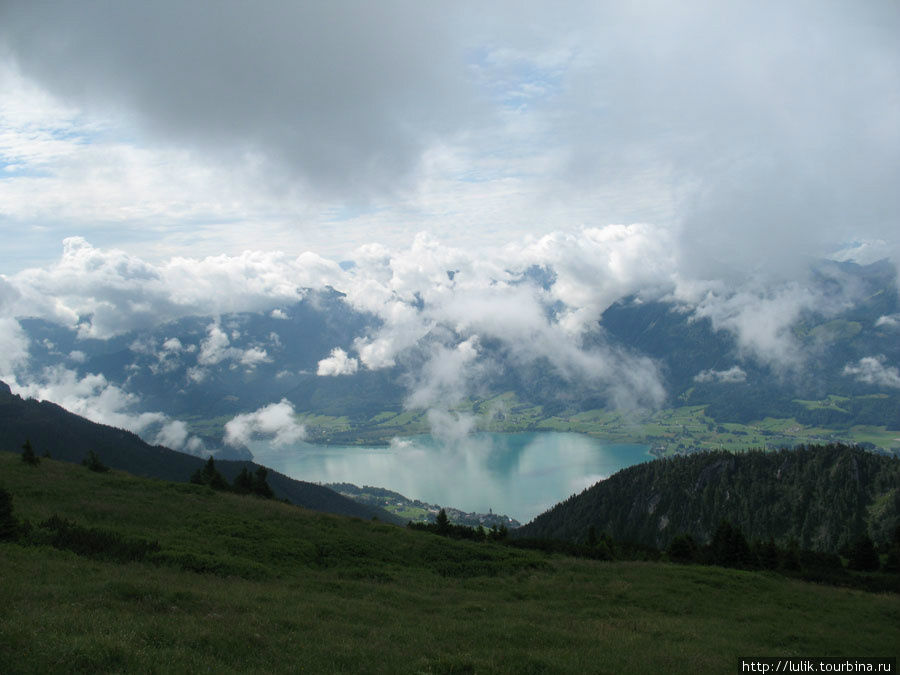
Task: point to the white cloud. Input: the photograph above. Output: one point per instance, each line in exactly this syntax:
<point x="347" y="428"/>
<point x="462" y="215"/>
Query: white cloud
<point x="215" y="349"/>
<point x="733" y="374"/>
<point x="173" y="345"/>
<point x="95" y="398"/>
<point x="889" y="320"/>
<point x="708" y="121"/>
<point x="443" y="380"/>
<point x="337" y="363"/>
<point x="276" y="420"/>
<point x="532" y="299"/>
<point x="761" y="319"/>
<point x="175" y="435"/>
<point x="108" y="292"/>
<point x="874" y="370"/>
<point x="13" y="348"/>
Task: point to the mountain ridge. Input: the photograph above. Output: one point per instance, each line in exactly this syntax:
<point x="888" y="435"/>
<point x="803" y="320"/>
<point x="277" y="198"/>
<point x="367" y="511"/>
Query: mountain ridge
<point x="69" y="437"/>
<point x="821" y="498"/>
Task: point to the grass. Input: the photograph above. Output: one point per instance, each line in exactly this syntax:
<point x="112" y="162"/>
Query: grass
<point x="297" y="591"/>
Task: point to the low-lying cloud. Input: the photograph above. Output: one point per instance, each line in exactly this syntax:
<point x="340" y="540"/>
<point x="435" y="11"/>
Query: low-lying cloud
<point x="733" y="374"/>
<point x="442" y="314"/>
<point x="874" y="370"/>
<point x="337" y="363"/>
<point x="92" y="396"/>
<point x="275" y="421"/>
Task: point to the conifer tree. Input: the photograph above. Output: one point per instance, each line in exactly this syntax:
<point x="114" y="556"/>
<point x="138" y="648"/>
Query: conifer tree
<point x="28" y="455"/>
<point x="92" y="462"/>
<point x="863" y="556"/>
<point x="729" y="547"/>
<point x="442" y="523"/>
<point x="209" y="475"/>
<point x="243" y="482"/>
<point x="682" y="549"/>
<point x="259" y="485"/>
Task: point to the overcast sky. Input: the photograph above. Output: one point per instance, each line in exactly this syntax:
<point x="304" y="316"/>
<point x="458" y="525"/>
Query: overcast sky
<point x="750" y="131"/>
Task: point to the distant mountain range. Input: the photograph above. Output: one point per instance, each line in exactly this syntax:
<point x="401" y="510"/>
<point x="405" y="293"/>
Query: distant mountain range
<point x="206" y="370"/>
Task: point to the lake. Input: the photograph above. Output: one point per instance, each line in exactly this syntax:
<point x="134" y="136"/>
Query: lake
<point x="519" y="475"/>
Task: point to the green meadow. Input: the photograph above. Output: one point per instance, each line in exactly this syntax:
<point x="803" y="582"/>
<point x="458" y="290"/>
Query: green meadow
<point x="668" y="431"/>
<point x="238" y="584"/>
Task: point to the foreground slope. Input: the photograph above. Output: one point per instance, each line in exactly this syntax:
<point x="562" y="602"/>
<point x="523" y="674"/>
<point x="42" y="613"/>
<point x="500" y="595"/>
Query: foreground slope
<point x="821" y="497"/>
<point x="240" y="584"/>
<point x="64" y="435"/>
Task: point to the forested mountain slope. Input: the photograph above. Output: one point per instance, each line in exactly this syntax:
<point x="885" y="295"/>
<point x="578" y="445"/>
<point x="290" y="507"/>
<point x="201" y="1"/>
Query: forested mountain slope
<point x="822" y="497"/>
<point x="66" y="436"/>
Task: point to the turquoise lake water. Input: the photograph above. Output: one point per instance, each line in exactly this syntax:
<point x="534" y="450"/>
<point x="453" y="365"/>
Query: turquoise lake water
<point x="520" y="475"/>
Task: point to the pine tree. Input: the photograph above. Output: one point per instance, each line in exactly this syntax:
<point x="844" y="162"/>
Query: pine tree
<point x="259" y="485"/>
<point x="209" y="475"/>
<point x="92" y="462"/>
<point x="767" y="554"/>
<point x="729" y="547"/>
<point x="243" y="483"/>
<point x="442" y="523"/>
<point x="28" y="455"/>
<point x="863" y="556"/>
<point x="682" y="549"/>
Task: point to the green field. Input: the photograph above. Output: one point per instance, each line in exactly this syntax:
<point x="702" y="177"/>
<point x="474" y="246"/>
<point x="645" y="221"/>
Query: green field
<point x="241" y="584"/>
<point x="668" y="431"/>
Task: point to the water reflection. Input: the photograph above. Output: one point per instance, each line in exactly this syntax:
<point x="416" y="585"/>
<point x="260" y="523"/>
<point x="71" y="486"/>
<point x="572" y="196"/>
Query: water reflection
<point x="520" y="475"/>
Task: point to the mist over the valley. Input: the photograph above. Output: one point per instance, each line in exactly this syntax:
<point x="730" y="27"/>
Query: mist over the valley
<point x="101" y="331"/>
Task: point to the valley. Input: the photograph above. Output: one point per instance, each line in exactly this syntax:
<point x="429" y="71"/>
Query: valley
<point x="677" y="430"/>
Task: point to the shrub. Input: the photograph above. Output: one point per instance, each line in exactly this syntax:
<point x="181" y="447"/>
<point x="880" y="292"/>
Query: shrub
<point x="9" y="528"/>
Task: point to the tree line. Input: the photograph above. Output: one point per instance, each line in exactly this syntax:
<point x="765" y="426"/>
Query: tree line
<point x="245" y="482"/>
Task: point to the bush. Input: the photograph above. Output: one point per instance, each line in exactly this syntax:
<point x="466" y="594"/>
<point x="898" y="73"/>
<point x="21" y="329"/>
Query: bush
<point x="683" y="549"/>
<point x="96" y="543"/>
<point x="9" y="528"/>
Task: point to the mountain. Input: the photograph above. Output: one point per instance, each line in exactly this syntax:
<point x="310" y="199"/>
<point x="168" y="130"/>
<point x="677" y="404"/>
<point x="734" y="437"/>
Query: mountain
<point x="822" y="498"/>
<point x="821" y="354"/>
<point x="68" y="437"/>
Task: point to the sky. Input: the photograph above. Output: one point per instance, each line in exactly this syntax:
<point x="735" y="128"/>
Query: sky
<point x="167" y="158"/>
<point x="197" y="129"/>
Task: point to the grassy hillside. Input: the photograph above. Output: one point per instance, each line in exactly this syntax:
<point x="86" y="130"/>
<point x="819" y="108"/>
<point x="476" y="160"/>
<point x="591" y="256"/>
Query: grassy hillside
<point x="275" y="588"/>
<point x="64" y="435"/>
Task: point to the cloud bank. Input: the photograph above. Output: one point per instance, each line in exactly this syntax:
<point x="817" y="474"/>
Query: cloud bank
<point x="755" y="133"/>
<point x="442" y="312"/>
